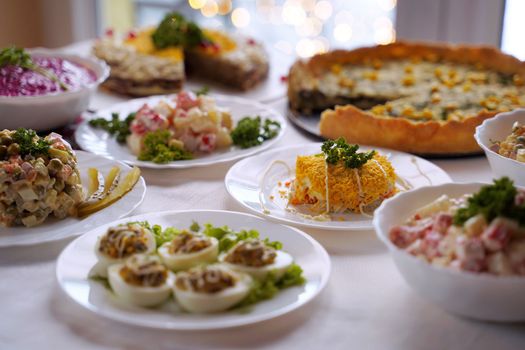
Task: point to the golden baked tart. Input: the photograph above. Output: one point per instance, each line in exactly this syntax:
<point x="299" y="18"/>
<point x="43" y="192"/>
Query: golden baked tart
<point x="156" y="60"/>
<point x="414" y="97"/>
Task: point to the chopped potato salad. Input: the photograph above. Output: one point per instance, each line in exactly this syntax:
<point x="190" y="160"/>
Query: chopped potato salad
<point x="38" y="178"/>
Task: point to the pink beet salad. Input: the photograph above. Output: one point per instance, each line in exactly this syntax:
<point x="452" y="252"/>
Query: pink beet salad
<point x="17" y="80"/>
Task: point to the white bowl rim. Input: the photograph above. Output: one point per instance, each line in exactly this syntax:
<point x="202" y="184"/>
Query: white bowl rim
<point x="487" y="124"/>
<point x="383" y="236"/>
<point x="101" y="77"/>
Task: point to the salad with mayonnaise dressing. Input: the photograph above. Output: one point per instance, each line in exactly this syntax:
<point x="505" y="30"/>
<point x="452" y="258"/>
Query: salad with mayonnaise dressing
<point x="186" y="126"/>
<point x="39" y="177"/>
<point x="208" y="269"/>
<point x="481" y="233"/>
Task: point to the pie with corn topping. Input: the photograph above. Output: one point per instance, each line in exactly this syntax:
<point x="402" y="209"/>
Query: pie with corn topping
<point x="414" y="97"/>
<point x="156" y="60"/>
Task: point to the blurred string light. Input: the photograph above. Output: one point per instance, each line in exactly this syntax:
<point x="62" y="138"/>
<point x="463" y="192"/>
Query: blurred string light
<point x="210" y="8"/>
<point x="240" y="17"/>
<point x="308" y="18"/>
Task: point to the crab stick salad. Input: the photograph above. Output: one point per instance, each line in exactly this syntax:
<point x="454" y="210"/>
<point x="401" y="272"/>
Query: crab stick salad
<point x="482" y="233"/>
<point x="183" y="127"/>
<point x="206" y="270"/>
<point x="39" y="178"/>
<point x="194" y="123"/>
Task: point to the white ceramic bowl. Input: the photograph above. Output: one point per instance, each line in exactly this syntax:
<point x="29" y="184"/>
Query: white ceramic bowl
<point x="45" y="112"/>
<point x="497" y="129"/>
<point x="479" y="296"/>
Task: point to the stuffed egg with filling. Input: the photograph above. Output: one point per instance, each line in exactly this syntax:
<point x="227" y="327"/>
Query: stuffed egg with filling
<point x="188" y="250"/>
<point x="257" y="259"/>
<point x="141" y="280"/>
<point x="211" y="288"/>
<point x="121" y="242"/>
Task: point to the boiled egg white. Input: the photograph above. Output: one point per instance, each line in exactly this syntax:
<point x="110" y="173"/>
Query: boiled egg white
<point x="278" y="267"/>
<point x="134" y="142"/>
<point x="139" y="295"/>
<point x="181" y="261"/>
<point x="202" y="302"/>
<point x="104" y="261"/>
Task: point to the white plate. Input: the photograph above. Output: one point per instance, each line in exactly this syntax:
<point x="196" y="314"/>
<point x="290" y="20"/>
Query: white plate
<point x="77" y="259"/>
<point x="53" y="229"/>
<point x="100" y="142"/>
<point x="244" y="183"/>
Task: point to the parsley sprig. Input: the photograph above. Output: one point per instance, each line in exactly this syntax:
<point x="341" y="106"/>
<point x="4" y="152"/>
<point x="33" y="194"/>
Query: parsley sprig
<point x="14" y="56"/>
<point x="30" y="143"/>
<point x="115" y="126"/>
<point x="176" y="30"/>
<point x="340" y="151"/>
<point x="251" y="132"/>
<point x="498" y="199"/>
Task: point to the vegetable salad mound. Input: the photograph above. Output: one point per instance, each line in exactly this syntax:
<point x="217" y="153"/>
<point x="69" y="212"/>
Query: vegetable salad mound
<point x="482" y="233"/>
<point x="38" y="178"/>
<point x="184" y="127"/>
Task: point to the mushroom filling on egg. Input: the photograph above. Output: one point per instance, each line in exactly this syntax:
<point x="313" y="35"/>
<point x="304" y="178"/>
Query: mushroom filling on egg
<point x="123" y="241"/>
<point x="186" y="243"/>
<point x="208" y="280"/>
<point x="144" y="271"/>
<point x="252" y="253"/>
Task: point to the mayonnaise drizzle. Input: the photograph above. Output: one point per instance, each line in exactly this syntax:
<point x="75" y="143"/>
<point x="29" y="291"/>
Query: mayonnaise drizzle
<point x="327" y="192"/>
<point x="263" y="181"/>
<point x="414" y="161"/>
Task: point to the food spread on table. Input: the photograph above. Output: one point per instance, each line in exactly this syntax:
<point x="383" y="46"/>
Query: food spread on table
<point x="513" y="146"/>
<point x="342" y="179"/>
<point x="23" y="74"/>
<point x="207" y="269"/>
<point x="419" y="98"/>
<point x="156" y="60"/>
<point x="483" y="232"/>
<point x="39" y="178"/>
<point x="184" y="127"/>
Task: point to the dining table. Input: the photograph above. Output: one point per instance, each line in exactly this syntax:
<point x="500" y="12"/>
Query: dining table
<point x="365" y="305"/>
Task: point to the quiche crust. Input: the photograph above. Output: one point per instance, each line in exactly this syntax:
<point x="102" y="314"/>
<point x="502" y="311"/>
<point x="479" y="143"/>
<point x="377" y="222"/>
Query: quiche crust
<point x="431" y="137"/>
<point x="428" y="138"/>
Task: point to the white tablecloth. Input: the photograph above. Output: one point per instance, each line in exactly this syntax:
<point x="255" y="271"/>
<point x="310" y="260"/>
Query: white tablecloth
<point x="366" y="304"/>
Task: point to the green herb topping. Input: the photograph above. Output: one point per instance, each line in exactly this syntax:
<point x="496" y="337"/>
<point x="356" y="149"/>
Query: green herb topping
<point x="175" y="30"/>
<point x="115" y="126"/>
<point x="251" y="132"/>
<point x="204" y="90"/>
<point x="14" y="56"/>
<point x="498" y="199"/>
<point x="340" y="151"/>
<point x="158" y="148"/>
<point x="30" y="143"/>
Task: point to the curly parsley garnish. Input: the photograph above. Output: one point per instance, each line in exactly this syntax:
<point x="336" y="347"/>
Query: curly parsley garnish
<point x="340" y="151"/>
<point x="30" y="143"/>
<point x="176" y="30"/>
<point x="498" y="199"/>
<point x="251" y="132"/>
<point x="159" y="149"/>
<point x="14" y="56"/>
<point x="115" y="126"/>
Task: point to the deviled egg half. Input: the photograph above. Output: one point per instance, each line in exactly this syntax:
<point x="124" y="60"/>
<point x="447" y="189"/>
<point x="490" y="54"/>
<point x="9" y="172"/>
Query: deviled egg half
<point x="188" y="250"/>
<point x="211" y="288"/>
<point x="142" y="280"/>
<point x="257" y="259"/>
<point x="121" y="242"/>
